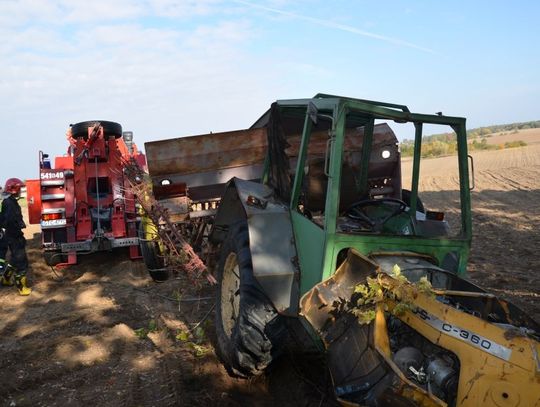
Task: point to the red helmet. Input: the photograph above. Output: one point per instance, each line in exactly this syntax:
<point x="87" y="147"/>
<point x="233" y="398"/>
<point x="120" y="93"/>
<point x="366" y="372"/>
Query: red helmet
<point x="13" y="186"/>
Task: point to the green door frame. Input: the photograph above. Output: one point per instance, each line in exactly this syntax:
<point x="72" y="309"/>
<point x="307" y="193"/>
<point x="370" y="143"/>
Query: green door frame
<point x="318" y="263"/>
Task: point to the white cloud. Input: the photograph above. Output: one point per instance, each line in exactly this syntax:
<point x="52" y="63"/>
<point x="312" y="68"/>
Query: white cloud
<point x="15" y="13"/>
<point x="97" y="11"/>
<point x="161" y="68"/>
<point x="184" y="8"/>
<point x="58" y="67"/>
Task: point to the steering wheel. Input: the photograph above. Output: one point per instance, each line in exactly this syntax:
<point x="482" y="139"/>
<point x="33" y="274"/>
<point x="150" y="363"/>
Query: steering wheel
<point x="357" y="211"/>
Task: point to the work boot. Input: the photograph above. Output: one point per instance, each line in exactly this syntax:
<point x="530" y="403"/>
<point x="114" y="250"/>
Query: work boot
<point x="20" y="282"/>
<point x="7" y="274"/>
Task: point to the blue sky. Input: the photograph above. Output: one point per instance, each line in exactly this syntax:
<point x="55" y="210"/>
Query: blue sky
<point x="168" y="68"/>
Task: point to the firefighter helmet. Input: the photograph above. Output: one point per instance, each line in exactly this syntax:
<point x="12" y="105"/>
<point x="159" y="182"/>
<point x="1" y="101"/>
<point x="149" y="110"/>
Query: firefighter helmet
<point x="13" y="186"/>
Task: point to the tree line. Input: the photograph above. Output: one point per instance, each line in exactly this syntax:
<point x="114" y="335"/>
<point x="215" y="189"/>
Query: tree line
<point x="437" y="145"/>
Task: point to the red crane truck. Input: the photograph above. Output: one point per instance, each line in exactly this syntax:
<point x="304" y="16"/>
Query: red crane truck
<point x="83" y="203"/>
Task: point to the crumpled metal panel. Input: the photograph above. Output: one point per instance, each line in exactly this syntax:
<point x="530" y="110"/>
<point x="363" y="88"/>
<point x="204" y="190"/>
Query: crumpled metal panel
<point x="358" y="355"/>
<point x="272" y="245"/>
<point x="271" y="241"/>
<point x="498" y="362"/>
<point x="316" y="305"/>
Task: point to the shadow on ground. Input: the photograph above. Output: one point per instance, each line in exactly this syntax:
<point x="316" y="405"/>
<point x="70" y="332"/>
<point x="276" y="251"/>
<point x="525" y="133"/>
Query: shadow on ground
<point x="103" y="333"/>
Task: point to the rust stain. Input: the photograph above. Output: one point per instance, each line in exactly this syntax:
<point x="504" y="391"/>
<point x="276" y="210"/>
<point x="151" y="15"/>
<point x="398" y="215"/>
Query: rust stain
<point x="206" y="152"/>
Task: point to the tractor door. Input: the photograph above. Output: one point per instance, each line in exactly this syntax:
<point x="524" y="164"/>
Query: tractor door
<point x="364" y="160"/>
<point x="309" y="199"/>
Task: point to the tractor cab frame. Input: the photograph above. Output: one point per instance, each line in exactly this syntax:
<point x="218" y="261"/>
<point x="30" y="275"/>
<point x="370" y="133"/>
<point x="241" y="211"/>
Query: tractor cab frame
<point x="319" y="246"/>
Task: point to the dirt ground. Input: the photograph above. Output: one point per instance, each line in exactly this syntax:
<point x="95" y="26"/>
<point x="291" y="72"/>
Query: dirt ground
<point x="102" y="333"/>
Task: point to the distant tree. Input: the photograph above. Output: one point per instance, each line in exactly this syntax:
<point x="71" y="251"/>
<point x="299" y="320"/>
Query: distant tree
<point x="485" y="130"/>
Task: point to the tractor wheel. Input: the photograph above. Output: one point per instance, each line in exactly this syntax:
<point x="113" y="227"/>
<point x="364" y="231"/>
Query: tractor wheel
<point x="154" y="262"/>
<point x="109" y="128"/>
<point x="406" y="197"/>
<point x="151" y="254"/>
<point x="250" y="333"/>
<point x="356" y="365"/>
<point x="54" y="258"/>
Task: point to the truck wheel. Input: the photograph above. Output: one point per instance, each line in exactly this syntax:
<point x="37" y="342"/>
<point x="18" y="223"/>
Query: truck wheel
<point x="109" y="128"/>
<point x="54" y="258"/>
<point x="153" y="261"/>
<point x="250" y="333"/>
<point x="150" y="252"/>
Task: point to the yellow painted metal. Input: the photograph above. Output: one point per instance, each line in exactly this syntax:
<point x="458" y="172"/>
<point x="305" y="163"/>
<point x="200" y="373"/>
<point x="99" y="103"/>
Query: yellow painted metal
<point x="405" y="387"/>
<point x="150" y="230"/>
<point x="487" y="377"/>
<point x="484" y="379"/>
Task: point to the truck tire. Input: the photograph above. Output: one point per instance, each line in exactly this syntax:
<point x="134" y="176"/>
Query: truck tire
<point x="153" y="261"/>
<point x="150" y="252"/>
<point x="250" y="333"/>
<point x="109" y="128"/>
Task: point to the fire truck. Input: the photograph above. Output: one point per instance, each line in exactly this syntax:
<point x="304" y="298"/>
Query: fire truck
<point x="83" y="202"/>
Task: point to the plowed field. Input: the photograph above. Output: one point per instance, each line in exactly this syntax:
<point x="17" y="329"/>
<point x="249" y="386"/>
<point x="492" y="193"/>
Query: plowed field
<point x="505" y="255"/>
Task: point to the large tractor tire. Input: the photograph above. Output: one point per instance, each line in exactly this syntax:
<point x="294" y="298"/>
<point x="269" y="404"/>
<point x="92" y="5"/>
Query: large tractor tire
<point x="250" y="333"/>
<point x="357" y="368"/>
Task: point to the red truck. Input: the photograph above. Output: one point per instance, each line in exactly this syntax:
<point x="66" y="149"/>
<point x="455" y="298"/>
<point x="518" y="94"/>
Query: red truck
<point x="83" y="203"/>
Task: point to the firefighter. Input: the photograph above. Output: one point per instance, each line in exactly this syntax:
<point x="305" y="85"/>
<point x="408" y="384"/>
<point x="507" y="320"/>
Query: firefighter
<point x="11" y="225"/>
<point x="3" y="249"/>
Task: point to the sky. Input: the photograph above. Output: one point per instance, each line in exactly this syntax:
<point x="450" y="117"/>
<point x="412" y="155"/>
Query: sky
<point x="170" y="68"/>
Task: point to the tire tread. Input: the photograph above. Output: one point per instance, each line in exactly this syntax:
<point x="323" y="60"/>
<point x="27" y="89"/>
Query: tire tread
<point x="259" y="332"/>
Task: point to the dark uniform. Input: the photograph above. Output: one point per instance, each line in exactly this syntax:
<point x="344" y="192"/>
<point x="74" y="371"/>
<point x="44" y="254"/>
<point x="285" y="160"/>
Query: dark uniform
<point x="12" y="223"/>
<point x="11" y="220"/>
<point x="3" y="249"/>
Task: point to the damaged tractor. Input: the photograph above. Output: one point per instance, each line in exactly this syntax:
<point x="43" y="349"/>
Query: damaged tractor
<point x="315" y="239"/>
